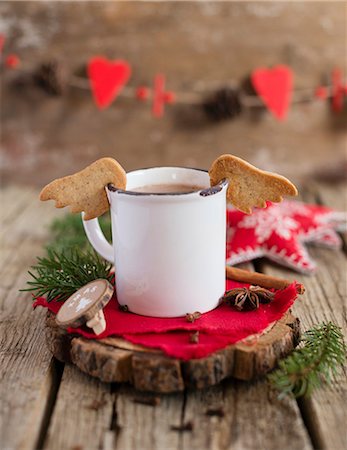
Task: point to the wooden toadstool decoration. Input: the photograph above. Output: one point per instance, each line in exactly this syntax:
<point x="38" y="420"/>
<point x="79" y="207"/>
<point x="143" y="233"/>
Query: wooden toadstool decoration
<point x="86" y="306"/>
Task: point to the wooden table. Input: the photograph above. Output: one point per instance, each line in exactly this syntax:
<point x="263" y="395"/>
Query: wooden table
<point x="45" y="404"/>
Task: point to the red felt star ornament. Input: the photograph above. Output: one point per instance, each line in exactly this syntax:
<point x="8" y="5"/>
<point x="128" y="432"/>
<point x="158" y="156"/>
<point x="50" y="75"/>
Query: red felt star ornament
<point x="280" y="231"/>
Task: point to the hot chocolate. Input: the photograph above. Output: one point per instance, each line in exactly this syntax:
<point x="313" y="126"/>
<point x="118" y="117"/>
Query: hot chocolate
<point x="176" y="188"/>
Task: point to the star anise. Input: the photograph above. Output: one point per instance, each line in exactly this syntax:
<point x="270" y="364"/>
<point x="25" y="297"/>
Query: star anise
<point x="247" y="299"/>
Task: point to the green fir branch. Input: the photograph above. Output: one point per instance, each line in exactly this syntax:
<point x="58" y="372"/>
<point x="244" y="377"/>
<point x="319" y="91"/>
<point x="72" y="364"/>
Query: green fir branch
<point x="68" y="232"/>
<point x="70" y="262"/>
<point x="322" y="354"/>
<point x="60" y="274"/>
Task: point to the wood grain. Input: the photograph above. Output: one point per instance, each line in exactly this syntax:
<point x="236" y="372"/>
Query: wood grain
<point x="154" y="371"/>
<point x="324" y="300"/>
<point x="242" y="415"/>
<point x="83" y="413"/>
<point x="27" y="370"/>
<point x="146" y="427"/>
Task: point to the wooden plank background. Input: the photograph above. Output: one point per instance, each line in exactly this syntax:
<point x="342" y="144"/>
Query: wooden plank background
<point x="193" y="43"/>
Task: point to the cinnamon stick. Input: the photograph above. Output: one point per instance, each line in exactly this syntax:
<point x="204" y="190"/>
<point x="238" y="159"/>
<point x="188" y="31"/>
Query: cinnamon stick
<point x="261" y="279"/>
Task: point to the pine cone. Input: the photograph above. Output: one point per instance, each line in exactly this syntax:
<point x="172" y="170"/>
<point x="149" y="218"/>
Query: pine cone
<point x="51" y="77"/>
<point x="223" y="104"/>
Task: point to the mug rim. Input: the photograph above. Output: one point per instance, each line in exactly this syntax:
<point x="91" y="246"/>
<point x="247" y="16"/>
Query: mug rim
<point x="202" y="192"/>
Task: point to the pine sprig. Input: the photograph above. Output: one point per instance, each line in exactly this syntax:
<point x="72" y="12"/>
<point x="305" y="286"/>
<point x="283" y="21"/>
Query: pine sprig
<point x="68" y="232"/>
<point x="307" y="368"/>
<point x="60" y="274"/>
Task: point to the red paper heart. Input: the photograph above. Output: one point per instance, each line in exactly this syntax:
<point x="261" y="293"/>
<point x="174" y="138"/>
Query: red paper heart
<point x="107" y="78"/>
<point x="274" y="87"/>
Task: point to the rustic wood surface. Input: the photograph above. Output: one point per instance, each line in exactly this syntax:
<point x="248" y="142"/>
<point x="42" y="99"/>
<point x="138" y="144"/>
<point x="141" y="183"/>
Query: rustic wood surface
<point x="325" y="412"/>
<point x="51" y="405"/>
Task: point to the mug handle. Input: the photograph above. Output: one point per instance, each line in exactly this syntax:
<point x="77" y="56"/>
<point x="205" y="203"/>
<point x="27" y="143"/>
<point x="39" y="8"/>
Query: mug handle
<point x="97" y="239"/>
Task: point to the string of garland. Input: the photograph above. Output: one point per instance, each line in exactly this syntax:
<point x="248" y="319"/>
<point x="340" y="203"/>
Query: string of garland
<point x="322" y="355"/>
<point x="218" y="101"/>
<point x="271" y="88"/>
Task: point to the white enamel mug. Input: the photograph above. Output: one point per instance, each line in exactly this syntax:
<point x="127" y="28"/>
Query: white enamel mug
<point x="168" y="248"/>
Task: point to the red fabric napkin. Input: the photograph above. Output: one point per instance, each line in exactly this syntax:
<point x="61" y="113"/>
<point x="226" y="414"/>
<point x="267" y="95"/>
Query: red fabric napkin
<point x="217" y="329"/>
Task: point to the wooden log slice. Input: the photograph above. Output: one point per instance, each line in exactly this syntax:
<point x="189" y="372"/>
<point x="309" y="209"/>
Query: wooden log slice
<point x="116" y="360"/>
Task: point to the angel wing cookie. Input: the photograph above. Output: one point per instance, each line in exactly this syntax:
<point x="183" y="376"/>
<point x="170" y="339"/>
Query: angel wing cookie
<point x="249" y="186"/>
<point x="85" y="190"/>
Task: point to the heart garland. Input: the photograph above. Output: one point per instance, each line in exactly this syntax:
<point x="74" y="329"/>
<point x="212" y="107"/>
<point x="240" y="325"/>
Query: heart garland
<point x="274" y="86"/>
<point x="107" y="79"/>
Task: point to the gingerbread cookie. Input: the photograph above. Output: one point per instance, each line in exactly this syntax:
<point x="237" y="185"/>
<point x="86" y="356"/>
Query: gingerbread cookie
<point x="85" y="190"/>
<point x="249" y="186"/>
